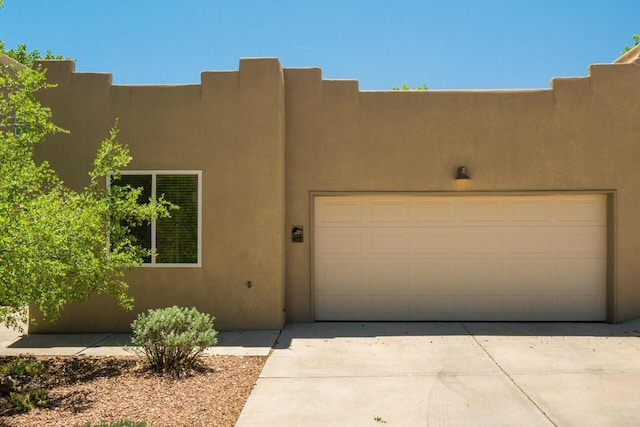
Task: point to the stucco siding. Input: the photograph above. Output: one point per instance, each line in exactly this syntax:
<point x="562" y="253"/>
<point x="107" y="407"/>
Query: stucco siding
<point x="231" y="129"/>
<point x="577" y="136"/>
<point x="268" y="139"/>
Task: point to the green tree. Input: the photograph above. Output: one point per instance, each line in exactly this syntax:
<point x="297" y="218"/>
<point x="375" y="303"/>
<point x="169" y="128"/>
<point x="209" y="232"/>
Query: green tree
<point x="636" y="39"/>
<point x="56" y="244"/>
<point x="23" y="56"/>
<point x="405" y="86"/>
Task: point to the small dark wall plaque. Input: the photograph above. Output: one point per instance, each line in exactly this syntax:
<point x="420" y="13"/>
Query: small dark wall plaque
<point x="297" y="234"/>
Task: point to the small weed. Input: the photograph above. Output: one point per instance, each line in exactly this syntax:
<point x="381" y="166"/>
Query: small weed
<point x="22" y="367"/>
<point x="379" y="420"/>
<point x="20" y="389"/>
<point x="25" y="401"/>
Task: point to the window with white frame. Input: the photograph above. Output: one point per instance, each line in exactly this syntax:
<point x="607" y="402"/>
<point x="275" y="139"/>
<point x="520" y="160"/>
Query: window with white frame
<point x="176" y="240"/>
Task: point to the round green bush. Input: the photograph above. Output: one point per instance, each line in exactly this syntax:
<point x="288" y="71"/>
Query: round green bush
<point x="172" y="338"/>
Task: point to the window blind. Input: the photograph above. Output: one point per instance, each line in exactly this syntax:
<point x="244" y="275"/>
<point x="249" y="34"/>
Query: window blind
<point x="177" y="236"/>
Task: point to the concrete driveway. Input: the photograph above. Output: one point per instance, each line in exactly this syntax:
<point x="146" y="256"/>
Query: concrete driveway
<point x="450" y="374"/>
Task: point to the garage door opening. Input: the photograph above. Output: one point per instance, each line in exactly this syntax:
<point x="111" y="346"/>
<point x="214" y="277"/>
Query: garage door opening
<point x="473" y="258"/>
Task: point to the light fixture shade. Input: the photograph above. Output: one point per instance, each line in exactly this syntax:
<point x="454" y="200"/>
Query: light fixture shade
<point x="462" y="173"/>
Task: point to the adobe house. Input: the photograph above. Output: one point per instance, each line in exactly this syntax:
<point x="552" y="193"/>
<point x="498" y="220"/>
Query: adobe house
<point x="317" y="201"/>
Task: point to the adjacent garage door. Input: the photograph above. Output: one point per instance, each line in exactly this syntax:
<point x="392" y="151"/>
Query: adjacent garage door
<point x="460" y="257"/>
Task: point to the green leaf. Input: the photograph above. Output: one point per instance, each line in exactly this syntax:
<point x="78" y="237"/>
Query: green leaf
<point x="59" y="245"/>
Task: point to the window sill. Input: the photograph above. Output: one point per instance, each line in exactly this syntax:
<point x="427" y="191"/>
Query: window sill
<point x="160" y="265"/>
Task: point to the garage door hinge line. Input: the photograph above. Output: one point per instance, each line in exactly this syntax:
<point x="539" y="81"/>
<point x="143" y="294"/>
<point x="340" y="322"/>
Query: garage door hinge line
<point x="507" y="375"/>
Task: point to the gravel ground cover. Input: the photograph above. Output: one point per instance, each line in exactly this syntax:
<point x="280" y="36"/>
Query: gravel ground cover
<point x="107" y="389"/>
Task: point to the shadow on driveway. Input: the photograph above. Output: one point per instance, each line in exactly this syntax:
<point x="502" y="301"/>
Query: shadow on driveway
<point x="524" y="329"/>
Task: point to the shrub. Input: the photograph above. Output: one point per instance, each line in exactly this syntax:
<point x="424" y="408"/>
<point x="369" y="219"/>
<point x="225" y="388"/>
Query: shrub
<point x="25" y="401"/>
<point x="172" y="338"/>
<point x="22" y="367"/>
<point x="20" y="389"/>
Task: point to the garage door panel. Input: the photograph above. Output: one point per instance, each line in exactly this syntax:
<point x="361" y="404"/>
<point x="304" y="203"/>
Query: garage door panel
<point x="338" y="307"/>
<point x="534" y="306"/>
<point x="433" y="274"/>
<point x="581" y="210"/>
<point x="481" y="210"/>
<point x="488" y="274"/>
<point x="432" y="241"/>
<point x="537" y="242"/>
<point x="394" y="241"/>
<point x="581" y="241"/>
<point x="460" y="258"/>
<point x="460" y="307"/>
<point x="531" y="211"/>
<point x="581" y="275"/>
<point x="386" y="275"/>
<point x="433" y="212"/>
<point x="340" y="275"/>
<point x="486" y="306"/>
<point x="481" y="242"/>
<point x="434" y="307"/>
<point x="581" y="307"/>
<point x="524" y="275"/>
<point x="334" y="242"/>
<point x="387" y="211"/>
<point x="339" y="211"/>
<point x="384" y="307"/>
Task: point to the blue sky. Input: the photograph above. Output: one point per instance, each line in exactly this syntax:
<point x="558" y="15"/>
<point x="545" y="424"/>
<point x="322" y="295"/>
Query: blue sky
<point x="449" y="44"/>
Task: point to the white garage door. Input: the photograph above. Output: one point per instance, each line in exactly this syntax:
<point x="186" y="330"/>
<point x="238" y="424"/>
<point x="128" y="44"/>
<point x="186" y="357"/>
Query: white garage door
<point x="460" y="258"/>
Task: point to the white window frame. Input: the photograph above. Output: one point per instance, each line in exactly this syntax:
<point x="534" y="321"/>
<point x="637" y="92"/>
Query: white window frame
<point x="154" y="173"/>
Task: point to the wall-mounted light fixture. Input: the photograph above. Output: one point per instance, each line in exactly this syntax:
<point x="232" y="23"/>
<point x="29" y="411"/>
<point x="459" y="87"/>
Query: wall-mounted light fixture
<point x="462" y="173"/>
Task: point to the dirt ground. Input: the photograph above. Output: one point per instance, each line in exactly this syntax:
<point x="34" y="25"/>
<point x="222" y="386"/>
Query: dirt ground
<point x="108" y="389"/>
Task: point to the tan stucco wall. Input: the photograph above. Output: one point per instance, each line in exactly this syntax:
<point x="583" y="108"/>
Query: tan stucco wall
<point x="267" y="139"/>
<point x="231" y="127"/>
<point x="580" y="135"/>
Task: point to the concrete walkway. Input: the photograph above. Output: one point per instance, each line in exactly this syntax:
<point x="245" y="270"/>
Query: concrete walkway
<point x="249" y="343"/>
<point x="450" y="374"/>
